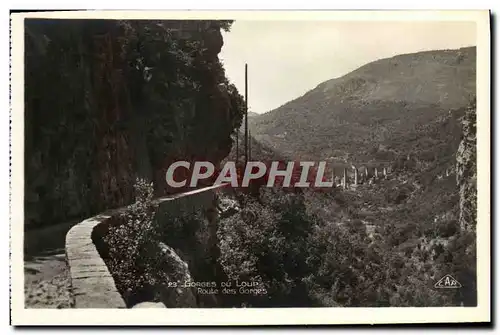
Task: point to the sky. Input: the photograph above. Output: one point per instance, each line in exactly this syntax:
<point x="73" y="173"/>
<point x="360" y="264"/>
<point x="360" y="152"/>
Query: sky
<point x="288" y="58"/>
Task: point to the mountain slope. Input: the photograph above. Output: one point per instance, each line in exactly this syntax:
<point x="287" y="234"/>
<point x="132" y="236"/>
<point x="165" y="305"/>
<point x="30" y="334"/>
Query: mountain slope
<point x="377" y="112"/>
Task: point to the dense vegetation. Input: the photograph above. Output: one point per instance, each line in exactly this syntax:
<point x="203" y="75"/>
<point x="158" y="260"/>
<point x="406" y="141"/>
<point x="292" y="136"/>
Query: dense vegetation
<point x="385" y="244"/>
<point x="318" y="250"/>
<point x="109" y="100"/>
<point x="129" y="236"/>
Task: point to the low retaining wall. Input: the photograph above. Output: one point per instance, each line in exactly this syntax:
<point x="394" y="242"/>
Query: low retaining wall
<point x="92" y="284"/>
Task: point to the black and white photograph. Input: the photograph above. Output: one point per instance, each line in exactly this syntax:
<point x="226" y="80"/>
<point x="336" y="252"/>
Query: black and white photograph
<point x="236" y="162"/>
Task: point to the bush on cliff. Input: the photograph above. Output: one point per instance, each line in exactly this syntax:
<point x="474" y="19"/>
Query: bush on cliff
<point x="146" y="256"/>
<point x="127" y="239"/>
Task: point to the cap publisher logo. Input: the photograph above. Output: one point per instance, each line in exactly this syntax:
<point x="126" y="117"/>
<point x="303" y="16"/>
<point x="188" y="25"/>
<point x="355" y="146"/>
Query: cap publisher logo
<point x="448" y="282"/>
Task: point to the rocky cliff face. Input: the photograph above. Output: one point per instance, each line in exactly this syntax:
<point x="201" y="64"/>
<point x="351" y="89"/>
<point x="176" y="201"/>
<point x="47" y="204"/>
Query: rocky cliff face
<point x="466" y="169"/>
<point x="107" y="101"/>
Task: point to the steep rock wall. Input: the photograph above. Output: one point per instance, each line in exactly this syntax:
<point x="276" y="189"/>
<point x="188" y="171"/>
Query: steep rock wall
<point x="466" y="172"/>
<point x="109" y="100"/>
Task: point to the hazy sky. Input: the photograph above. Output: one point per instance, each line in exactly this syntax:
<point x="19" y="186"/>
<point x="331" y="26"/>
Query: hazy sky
<point x="288" y="58"/>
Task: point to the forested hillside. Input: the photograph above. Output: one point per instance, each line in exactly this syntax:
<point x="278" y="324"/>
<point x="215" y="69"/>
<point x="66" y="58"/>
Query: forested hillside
<point x="373" y="245"/>
<point x="382" y="111"/>
<point x="127" y="98"/>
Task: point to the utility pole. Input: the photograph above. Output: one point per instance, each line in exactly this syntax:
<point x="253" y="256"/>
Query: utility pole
<point x="237" y="148"/>
<point x="249" y="146"/>
<point x="246" y="114"/>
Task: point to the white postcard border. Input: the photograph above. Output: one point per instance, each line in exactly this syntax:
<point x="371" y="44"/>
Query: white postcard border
<point x="255" y="316"/>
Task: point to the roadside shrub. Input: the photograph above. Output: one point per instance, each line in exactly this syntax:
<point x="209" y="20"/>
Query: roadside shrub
<point x="128" y="238"/>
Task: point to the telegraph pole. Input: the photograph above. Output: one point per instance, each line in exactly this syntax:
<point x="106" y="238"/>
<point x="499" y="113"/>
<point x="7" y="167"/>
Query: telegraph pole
<point x="237" y="140"/>
<point x="249" y="145"/>
<point x="246" y="114"/>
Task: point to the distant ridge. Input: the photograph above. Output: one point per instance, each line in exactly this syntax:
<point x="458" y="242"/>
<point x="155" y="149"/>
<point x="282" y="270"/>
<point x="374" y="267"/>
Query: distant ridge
<point x="383" y="109"/>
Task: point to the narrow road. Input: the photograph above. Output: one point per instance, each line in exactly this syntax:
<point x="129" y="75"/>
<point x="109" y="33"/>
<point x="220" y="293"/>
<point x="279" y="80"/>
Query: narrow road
<point x="46" y="273"/>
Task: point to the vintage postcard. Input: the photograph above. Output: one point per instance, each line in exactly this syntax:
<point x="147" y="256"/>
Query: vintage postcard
<point x="250" y="168"/>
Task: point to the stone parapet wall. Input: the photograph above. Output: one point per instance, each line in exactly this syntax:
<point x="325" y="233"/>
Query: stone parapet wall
<point x="91" y="282"/>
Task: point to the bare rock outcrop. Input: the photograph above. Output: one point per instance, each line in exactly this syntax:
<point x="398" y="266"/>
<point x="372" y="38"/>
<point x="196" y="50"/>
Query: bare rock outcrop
<point x="174" y="273"/>
<point x="466" y="171"/>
